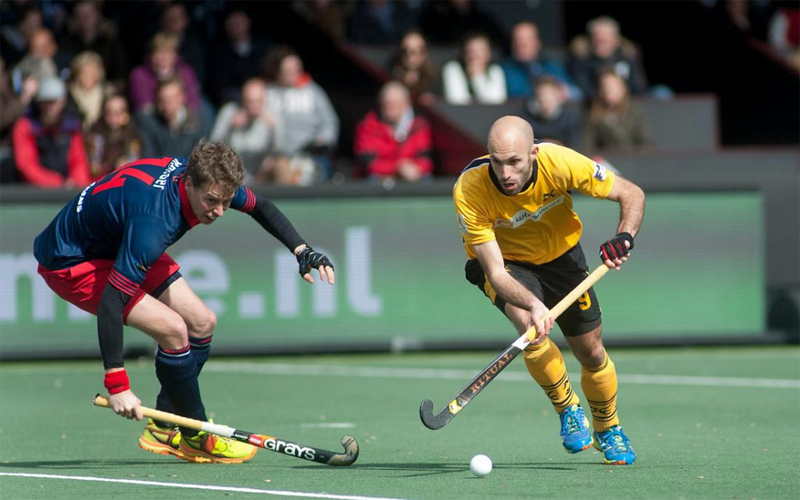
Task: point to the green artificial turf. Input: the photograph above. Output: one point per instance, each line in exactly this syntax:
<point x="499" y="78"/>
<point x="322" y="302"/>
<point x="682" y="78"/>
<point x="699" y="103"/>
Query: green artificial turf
<point x="696" y="438"/>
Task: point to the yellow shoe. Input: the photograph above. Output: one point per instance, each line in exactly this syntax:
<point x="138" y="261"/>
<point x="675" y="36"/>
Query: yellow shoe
<point x="161" y="440"/>
<point x="205" y="447"/>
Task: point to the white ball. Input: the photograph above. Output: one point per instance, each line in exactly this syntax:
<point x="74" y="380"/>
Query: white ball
<point x="480" y="465"/>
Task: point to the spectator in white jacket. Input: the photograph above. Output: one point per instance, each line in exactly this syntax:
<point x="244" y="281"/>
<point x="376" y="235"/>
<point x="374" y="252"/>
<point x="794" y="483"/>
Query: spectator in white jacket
<point x="247" y="126"/>
<point x="306" y="125"/>
<point x="474" y="79"/>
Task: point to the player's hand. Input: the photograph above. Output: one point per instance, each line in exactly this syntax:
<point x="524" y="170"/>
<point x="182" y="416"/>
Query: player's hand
<point x="126" y="404"/>
<point x="308" y="258"/>
<point x="615" y="251"/>
<point x="540" y="320"/>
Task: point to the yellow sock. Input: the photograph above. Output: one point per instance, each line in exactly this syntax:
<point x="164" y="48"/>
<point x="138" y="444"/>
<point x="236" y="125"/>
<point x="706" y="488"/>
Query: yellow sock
<point x="600" y="388"/>
<point x="546" y="365"/>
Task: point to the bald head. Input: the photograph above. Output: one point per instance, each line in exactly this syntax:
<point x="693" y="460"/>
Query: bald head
<point x="509" y="132"/>
<point x="512" y="153"/>
<point x="394" y="101"/>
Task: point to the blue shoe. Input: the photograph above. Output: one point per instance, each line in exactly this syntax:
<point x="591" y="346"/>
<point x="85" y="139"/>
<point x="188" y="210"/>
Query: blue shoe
<point x="575" y="434"/>
<point x="616" y="446"/>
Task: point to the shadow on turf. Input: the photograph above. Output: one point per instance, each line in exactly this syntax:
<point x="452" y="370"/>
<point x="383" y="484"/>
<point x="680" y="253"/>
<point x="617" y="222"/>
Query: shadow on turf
<point x="428" y="469"/>
<point x="77" y="464"/>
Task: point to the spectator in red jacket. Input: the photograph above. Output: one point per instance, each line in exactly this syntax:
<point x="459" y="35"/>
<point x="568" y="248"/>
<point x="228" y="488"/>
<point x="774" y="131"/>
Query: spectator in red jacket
<point x="12" y="107"/>
<point x="48" y="147"/>
<point x="393" y="142"/>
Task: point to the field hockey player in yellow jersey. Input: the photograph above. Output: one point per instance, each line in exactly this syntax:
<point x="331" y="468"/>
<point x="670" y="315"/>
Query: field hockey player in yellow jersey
<point x="522" y="240"/>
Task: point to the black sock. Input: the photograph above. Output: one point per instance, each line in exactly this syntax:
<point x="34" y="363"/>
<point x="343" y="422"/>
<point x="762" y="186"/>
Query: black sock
<point x="177" y="372"/>
<point x="201" y="348"/>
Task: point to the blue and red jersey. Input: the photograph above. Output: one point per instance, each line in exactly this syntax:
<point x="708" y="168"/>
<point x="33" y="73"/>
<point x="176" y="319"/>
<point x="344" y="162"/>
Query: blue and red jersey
<point x="129" y="216"/>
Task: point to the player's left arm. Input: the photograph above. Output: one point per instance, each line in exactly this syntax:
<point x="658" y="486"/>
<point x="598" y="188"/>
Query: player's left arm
<point x="278" y="225"/>
<point x="631" y="213"/>
<point x="578" y="172"/>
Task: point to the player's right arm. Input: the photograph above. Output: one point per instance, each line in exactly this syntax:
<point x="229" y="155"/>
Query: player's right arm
<point x="143" y="241"/>
<point x="109" y="333"/>
<point x="475" y="223"/>
<point x="511" y="290"/>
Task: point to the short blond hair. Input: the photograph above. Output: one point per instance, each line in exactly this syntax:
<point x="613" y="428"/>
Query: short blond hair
<point x="164" y="41"/>
<point x="603" y="21"/>
<point x="88" y="57"/>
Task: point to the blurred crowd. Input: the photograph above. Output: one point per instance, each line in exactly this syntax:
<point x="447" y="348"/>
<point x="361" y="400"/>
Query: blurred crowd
<point x="774" y="24"/>
<point x="81" y="96"/>
<point x="87" y="86"/>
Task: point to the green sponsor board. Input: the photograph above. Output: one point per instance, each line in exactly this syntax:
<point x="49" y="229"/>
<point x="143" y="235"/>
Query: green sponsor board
<point x="697" y="269"/>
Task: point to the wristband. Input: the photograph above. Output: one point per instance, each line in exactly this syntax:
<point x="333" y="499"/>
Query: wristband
<point x="117" y="382"/>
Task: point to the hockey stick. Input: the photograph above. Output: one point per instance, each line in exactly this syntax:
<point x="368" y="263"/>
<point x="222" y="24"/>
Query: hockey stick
<point x="489" y="373"/>
<point x="267" y="442"/>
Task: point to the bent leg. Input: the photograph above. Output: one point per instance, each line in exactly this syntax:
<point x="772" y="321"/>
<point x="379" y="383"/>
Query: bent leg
<point x="159" y="322"/>
<point x="545" y="363"/>
<point x="200" y="320"/>
<point x="176" y="367"/>
<point x="598" y="378"/>
<point x="599" y="382"/>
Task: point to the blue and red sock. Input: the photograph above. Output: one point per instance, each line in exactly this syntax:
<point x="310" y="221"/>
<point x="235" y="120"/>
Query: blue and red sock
<point x="177" y="371"/>
<point x="200" y="348"/>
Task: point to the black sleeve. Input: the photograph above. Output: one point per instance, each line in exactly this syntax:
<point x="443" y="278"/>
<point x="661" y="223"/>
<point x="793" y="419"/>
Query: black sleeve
<point x="276" y="224"/>
<point x="109" y="326"/>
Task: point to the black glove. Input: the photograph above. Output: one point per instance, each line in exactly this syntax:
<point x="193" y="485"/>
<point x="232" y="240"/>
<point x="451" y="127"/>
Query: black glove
<point x="308" y="258"/>
<point x="615" y="247"/>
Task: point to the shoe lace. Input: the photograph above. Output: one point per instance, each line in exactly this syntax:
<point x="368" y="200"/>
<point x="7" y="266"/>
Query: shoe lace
<point x="221" y="444"/>
<point x="616" y="440"/>
<point x="163" y="434"/>
<point x="172" y="434"/>
<point x="572" y="421"/>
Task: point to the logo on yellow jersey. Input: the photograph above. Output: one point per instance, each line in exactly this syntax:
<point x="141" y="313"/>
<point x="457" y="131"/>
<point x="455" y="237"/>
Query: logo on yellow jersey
<point x="462" y="225"/>
<point x="600" y="172"/>
<point x="524" y="216"/>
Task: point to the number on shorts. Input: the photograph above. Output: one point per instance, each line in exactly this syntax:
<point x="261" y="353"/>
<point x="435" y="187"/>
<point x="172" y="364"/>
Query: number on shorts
<point x="584" y="301"/>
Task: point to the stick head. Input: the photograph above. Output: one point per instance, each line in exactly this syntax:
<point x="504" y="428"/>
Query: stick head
<point x="431" y="421"/>
<point x="349" y="456"/>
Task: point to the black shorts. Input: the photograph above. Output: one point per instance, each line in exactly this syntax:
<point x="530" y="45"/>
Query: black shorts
<point x="550" y="282"/>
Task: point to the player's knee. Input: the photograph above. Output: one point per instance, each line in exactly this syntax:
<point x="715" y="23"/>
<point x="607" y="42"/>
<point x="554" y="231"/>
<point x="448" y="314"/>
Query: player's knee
<point x="519" y="318"/>
<point x="594" y="356"/>
<point x="204" y="325"/>
<point x="175" y="334"/>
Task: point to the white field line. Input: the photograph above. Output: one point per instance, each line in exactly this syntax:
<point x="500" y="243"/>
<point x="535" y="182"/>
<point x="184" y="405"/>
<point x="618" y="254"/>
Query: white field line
<point x="330" y="425"/>
<point x="467" y="375"/>
<point x="227" y="489"/>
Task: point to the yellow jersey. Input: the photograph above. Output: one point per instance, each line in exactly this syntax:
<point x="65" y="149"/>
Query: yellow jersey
<point x="537" y="225"/>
